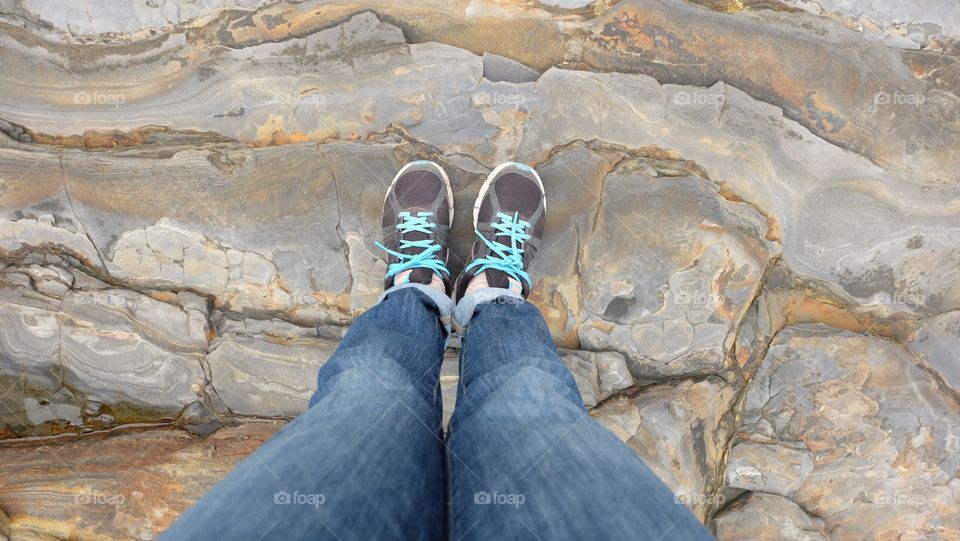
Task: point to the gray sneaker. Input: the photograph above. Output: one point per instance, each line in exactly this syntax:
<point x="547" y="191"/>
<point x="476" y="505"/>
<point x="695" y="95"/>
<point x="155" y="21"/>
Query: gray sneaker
<point x="508" y="218"/>
<point x="417" y="215"/>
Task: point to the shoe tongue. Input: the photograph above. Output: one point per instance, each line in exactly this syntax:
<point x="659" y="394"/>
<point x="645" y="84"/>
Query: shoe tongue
<point x="421" y="276"/>
<point x="418" y="275"/>
<point x="497" y="278"/>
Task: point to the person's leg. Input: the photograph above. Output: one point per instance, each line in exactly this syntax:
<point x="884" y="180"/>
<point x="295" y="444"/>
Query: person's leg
<point x="365" y="461"/>
<point x="525" y="459"/>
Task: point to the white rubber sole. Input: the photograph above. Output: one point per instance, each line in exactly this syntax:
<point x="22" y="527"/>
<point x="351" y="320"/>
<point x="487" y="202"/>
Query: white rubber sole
<point x="493" y="174"/>
<point x="443" y="176"/>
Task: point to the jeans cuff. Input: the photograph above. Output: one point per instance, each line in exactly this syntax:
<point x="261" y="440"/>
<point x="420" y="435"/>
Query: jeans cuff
<point x="464" y="310"/>
<point x="440" y="299"/>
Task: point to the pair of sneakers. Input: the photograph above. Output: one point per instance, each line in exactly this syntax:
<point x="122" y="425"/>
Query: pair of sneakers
<point x="508" y="219"/>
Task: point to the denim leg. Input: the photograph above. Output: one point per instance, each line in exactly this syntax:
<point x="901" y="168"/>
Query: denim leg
<point x="365" y="461"/>
<point x="528" y="462"/>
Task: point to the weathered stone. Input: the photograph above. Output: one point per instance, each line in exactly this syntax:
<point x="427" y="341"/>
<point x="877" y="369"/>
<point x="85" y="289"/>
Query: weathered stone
<point x="585" y="375"/>
<point x="498" y="68"/>
<point x="496" y="121"/>
<point x="4" y="526"/>
<point x="129" y="351"/>
<point x="266" y="368"/>
<point x="832" y="209"/>
<point x="937" y="342"/>
<point x="137" y="356"/>
<point x="668" y="272"/>
<point x="827" y="77"/>
<point x="760" y="516"/>
<point x="680" y="430"/>
<point x="223" y="189"/>
<point x="50" y="280"/>
<point x="124" y="484"/>
<point x="598" y="375"/>
<point x="916" y="24"/>
<point x="33" y="400"/>
<point x="853" y="431"/>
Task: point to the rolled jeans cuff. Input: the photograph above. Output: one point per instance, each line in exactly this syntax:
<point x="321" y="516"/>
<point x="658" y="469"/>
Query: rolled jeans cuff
<point x="440" y="299"/>
<point x="463" y="313"/>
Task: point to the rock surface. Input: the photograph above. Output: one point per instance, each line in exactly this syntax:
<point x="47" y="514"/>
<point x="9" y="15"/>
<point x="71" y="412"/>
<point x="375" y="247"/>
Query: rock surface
<point x="852" y="430"/>
<point x="264" y="374"/>
<point x="752" y="258"/>
<point x="680" y="431"/>
<point x="759" y="515"/>
<point x="125" y="484"/>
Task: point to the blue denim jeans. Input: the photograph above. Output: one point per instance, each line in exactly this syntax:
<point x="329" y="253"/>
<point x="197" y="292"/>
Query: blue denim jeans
<point x="522" y="459"/>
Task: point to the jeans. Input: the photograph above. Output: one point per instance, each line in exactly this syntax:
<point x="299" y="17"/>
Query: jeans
<point x="522" y="459"/>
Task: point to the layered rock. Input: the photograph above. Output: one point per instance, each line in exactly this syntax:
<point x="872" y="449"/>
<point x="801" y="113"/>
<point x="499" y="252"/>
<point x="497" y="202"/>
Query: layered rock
<point x="937" y="342"/>
<point x="852" y="430"/>
<point x="667" y="272"/>
<point x="759" y="515"/>
<point x="125" y="484"/>
<point x="189" y="198"/>
<point x="95" y="358"/>
<point x="807" y="188"/>
<point x="680" y="430"/>
<point x="598" y="375"/>
<point x="268" y="371"/>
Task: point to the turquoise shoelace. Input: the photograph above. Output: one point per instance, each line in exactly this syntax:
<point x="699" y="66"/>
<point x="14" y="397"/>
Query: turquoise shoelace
<point x="427" y="257"/>
<point x="507" y="258"/>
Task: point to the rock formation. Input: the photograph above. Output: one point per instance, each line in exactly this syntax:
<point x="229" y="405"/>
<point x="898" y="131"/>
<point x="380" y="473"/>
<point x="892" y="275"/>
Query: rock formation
<point x="752" y="265"/>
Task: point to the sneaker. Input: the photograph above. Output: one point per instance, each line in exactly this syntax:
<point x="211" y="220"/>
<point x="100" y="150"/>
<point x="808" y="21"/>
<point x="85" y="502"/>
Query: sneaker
<point x="508" y="220"/>
<point x="417" y="215"/>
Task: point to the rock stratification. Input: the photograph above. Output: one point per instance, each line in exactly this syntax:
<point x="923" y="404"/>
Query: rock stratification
<point x="751" y="262"/>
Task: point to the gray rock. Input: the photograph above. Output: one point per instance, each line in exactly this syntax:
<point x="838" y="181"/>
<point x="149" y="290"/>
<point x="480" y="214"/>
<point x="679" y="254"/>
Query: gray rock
<point x="881" y="250"/>
<point x="257" y="375"/>
<point x="498" y="68"/>
<point x="668" y="273"/>
<point x="854" y="431"/>
<point x="598" y="375"/>
<point x="584" y="373"/>
<point x="889" y="21"/>
<point x="116" y="348"/>
<point x="937" y="343"/>
<point x="760" y="516"/>
<point x="449" y="381"/>
<point x="680" y="431"/>
<point x="30" y="341"/>
<point x="126" y="350"/>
